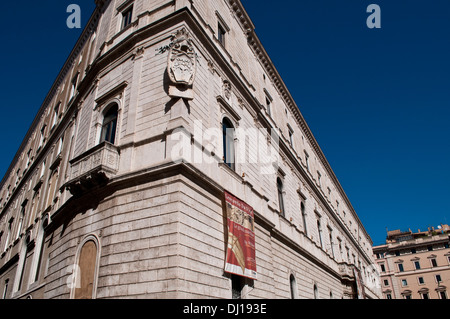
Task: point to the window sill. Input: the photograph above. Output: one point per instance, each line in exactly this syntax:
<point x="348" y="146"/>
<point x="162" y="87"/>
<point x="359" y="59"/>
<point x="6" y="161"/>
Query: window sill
<point x="231" y="172"/>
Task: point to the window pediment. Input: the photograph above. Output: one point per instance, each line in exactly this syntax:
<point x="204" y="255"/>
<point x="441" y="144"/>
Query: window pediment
<point x="116" y="92"/>
<point x="228" y="109"/>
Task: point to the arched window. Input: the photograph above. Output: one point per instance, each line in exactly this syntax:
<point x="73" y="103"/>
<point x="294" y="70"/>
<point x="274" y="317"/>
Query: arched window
<point x="280" y="196"/>
<point x="87" y="263"/>
<point x="293" y="286"/>
<point x="228" y="144"/>
<point x="110" y="125"/>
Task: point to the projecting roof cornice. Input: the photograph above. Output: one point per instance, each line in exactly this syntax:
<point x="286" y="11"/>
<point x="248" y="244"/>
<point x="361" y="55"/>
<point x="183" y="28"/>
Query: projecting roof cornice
<point x="248" y="28"/>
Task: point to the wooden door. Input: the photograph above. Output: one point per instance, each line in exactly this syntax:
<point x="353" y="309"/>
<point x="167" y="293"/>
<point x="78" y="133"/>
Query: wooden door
<point x="87" y="263"/>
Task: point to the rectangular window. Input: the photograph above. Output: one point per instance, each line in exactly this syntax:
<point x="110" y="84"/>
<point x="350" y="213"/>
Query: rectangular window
<point x="127" y="16"/>
<point x="417" y="265"/>
<point x="302" y="207"/>
<point x="42" y="169"/>
<point x="319" y="230"/>
<point x="56" y="114"/>
<point x="421" y="280"/>
<point x="340" y="246"/>
<point x="291" y="141"/>
<point x="330" y="231"/>
<point x="433" y="262"/>
<point x="5" y="290"/>
<point x="22" y="217"/>
<point x="307" y="161"/>
<point x="400" y="268"/>
<point x="42" y="138"/>
<point x="60" y="145"/>
<point x="268" y="106"/>
<point x="269" y="101"/>
<point x="73" y="87"/>
<point x="53" y="180"/>
<point x="28" y="159"/>
<point x="404" y="283"/>
<point x="17" y="177"/>
<point x="8" y="235"/>
<point x="383" y="268"/>
<point x="280" y="196"/>
<point x="221" y="32"/>
<point x="34" y="207"/>
<point x="386" y="282"/>
<point x="438" y="278"/>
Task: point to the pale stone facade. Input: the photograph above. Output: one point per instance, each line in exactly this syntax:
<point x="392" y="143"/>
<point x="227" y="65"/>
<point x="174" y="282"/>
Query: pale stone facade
<point x="97" y="167"/>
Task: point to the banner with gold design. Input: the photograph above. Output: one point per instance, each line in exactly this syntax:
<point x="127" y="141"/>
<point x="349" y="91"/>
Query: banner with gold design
<point x="240" y="257"/>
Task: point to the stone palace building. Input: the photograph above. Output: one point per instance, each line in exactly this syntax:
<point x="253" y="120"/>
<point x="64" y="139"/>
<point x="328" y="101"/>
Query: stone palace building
<point x="118" y="188"/>
<point x="415" y="265"/>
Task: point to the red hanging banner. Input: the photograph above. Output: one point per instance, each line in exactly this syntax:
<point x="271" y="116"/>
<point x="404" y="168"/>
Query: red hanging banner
<point x="359" y="284"/>
<point x="240" y="257"/>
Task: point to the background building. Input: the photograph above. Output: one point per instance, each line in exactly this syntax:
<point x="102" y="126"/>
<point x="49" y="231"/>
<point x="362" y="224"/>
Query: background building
<point x="415" y="265"/>
<point x="118" y="189"/>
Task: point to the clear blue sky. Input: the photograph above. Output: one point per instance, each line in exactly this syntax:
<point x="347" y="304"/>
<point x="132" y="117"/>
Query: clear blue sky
<point x="377" y="100"/>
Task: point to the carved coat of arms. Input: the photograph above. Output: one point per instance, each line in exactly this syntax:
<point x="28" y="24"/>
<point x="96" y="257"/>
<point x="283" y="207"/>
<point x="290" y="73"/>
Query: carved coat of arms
<point x="181" y="65"/>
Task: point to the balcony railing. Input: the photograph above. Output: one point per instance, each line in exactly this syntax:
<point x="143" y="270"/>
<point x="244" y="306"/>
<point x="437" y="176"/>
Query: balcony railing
<point x="93" y="168"/>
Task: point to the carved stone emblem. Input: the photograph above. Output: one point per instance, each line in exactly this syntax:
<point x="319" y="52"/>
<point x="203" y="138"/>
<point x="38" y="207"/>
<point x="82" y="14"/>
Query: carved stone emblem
<point x="182" y="65"/>
<point x="227" y="89"/>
